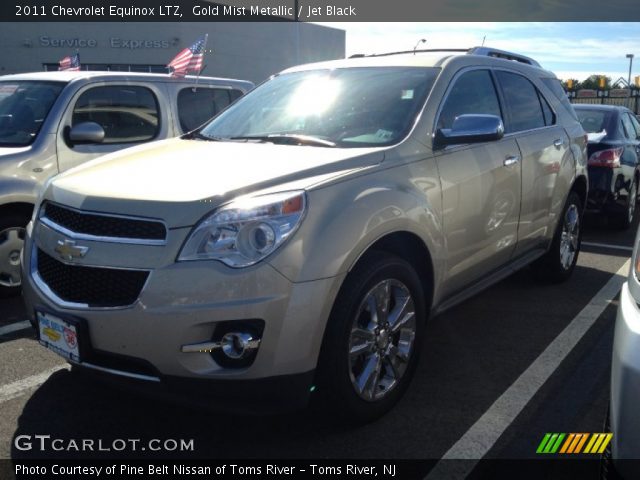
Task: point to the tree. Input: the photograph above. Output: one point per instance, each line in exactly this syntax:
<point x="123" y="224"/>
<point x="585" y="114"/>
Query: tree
<point x="593" y="82"/>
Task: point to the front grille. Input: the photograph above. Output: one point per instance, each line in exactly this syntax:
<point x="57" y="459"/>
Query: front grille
<point x="96" y="287"/>
<point x="104" y="225"/>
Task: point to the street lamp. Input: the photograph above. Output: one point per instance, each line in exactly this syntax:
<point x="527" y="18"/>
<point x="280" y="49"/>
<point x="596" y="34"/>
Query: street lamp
<point x="422" y="40"/>
<point x="630" y="57"/>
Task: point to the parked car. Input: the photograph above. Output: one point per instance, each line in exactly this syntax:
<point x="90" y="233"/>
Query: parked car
<point x="53" y="121"/>
<point x="624" y="422"/>
<point x="298" y="241"/>
<point x="614" y="167"/>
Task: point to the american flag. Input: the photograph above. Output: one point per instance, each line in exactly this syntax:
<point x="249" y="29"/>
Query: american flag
<point x="70" y="62"/>
<point x="188" y="60"/>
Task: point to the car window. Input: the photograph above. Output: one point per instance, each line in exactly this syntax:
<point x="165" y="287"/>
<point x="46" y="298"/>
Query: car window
<point x="473" y="92"/>
<point x="634" y="126"/>
<point x="549" y="116"/>
<point x="558" y="91"/>
<point x="126" y="113"/>
<point x="593" y="121"/>
<point x="628" y="129"/>
<point x="200" y="104"/>
<point x="522" y="103"/>
<point x="24" y="106"/>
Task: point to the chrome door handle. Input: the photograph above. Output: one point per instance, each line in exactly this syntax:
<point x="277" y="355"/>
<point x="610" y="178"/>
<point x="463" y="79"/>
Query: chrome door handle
<point x="511" y="160"/>
<point x="558" y="142"/>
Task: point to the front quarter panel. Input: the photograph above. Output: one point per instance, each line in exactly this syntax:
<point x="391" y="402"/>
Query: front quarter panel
<point x="345" y="218"/>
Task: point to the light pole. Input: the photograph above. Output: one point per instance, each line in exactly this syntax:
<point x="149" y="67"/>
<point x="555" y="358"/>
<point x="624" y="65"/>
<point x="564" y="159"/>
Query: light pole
<point x="422" y="40"/>
<point x="630" y="57"/>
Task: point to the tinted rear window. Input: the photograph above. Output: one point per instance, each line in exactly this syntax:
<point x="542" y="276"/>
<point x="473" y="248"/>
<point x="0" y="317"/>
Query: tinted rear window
<point x="593" y="121"/>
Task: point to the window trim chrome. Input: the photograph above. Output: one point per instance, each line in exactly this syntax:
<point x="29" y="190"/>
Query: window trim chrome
<point x="99" y="238"/>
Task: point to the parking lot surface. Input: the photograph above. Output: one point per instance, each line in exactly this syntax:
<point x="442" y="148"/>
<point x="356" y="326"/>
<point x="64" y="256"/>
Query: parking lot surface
<point x="502" y="367"/>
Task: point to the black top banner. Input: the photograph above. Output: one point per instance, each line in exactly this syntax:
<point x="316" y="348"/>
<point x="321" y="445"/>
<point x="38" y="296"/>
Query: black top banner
<point x="316" y="10"/>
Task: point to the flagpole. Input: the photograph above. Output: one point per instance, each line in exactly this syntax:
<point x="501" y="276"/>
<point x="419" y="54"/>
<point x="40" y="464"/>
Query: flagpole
<point x="204" y="51"/>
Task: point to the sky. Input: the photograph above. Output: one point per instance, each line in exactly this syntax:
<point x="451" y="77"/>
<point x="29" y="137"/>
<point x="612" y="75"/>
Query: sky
<point x="570" y="50"/>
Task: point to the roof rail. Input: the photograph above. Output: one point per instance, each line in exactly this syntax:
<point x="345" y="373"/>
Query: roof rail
<point x="483" y="51"/>
<point x="494" y="52"/>
<point x="404" y="52"/>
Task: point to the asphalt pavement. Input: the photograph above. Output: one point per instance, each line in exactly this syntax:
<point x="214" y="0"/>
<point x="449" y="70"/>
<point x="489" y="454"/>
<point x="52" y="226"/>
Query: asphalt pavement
<point x="474" y="359"/>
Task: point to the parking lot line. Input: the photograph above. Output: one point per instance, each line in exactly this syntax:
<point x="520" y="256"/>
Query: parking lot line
<point x="19" y="387"/>
<point x="606" y="245"/>
<point x="482" y="435"/>
<point x="15" y="327"/>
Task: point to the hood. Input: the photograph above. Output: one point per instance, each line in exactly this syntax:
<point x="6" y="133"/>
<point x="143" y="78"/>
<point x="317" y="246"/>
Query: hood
<point x="198" y="173"/>
<point x="7" y="151"/>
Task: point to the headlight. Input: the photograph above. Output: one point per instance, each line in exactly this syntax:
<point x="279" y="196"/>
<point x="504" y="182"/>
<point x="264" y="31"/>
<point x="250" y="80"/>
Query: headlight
<point x="246" y="230"/>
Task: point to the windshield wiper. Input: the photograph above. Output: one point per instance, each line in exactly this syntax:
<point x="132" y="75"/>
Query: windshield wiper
<point x="288" y="139"/>
<point x="200" y="136"/>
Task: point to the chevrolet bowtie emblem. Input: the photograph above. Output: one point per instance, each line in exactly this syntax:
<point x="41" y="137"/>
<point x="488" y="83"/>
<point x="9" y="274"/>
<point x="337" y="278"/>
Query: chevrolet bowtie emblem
<point x="68" y="250"/>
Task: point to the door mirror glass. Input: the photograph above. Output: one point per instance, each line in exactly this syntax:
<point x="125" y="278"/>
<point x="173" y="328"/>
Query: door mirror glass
<point x="86" y="132"/>
<point x="471" y="128"/>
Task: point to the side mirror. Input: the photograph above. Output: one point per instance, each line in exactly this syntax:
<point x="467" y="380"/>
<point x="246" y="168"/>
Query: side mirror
<point x="86" y="132"/>
<point x="470" y="128"/>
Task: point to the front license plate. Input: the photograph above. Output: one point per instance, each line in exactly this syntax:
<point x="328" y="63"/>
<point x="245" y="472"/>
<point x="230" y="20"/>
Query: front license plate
<point x="59" y="335"/>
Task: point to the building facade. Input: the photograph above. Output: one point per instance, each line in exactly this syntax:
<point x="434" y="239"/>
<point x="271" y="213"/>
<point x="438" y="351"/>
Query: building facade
<point x="248" y="50"/>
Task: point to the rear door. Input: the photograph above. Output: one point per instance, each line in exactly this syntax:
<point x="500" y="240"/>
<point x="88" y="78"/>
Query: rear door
<point x="544" y="146"/>
<point x="480" y="186"/>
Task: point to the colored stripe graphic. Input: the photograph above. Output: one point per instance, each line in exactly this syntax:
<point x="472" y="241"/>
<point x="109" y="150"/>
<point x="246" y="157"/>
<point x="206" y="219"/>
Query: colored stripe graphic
<point x="605" y="442"/>
<point x="567" y="443"/>
<point x="573" y="443"/>
<point x="591" y="442"/>
<point x="543" y="443"/>
<point x="582" y="442"/>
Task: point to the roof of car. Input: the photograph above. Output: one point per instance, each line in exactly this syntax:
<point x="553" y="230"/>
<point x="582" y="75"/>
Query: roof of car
<point x="607" y="108"/>
<point x="68" y="76"/>
<point x="423" y="58"/>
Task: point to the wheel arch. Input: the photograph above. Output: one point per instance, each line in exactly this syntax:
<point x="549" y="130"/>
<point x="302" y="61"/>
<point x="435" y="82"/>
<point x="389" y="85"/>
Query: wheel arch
<point x="580" y="186"/>
<point x="23" y="208"/>
<point x="411" y="248"/>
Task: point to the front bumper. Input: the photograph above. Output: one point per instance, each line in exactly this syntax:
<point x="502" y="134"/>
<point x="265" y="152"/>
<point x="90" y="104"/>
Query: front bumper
<point x="625" y="383"/>
<point x="182" y="304"/>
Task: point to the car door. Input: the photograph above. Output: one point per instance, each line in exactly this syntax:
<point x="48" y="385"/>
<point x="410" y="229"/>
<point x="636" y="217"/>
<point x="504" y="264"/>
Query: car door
<point x="480" y="186"/>
<point x="129" y="114"/>
<point x="544" y="146"/>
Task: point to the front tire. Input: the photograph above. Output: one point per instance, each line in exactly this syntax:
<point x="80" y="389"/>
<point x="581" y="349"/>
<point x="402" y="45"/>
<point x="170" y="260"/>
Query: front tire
<point x="373" y="336"/>
<point x="12" y="231"/>
<point x="558" y="263"/>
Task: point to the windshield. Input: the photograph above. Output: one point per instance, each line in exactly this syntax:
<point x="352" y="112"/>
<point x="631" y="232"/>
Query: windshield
<point x="349" y="107"/>
<point x="24" y="105"/>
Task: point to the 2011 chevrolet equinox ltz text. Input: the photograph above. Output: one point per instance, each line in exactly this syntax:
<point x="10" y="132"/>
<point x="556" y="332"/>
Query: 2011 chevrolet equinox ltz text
<point x="299" y="241"/>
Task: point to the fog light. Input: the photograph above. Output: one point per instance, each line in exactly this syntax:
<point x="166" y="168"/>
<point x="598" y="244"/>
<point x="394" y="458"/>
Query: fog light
<point x="237" y="346"/>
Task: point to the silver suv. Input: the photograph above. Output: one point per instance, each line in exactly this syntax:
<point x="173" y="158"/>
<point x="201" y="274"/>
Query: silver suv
<point x="52" y="121"/>
<point x="295" y="245"/>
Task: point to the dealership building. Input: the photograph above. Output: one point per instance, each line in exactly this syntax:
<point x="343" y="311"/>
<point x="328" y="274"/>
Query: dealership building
<point x="249" y="51"/>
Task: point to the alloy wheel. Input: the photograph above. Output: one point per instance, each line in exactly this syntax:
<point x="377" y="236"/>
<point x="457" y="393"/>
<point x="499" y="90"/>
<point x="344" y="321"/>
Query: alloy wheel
<point x="570" y="236"/>
<point x="11" y="243"/>
<point x="382" y="339"/>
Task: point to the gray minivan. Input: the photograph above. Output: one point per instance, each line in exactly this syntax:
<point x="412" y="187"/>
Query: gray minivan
<point x="53" y="121"/>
